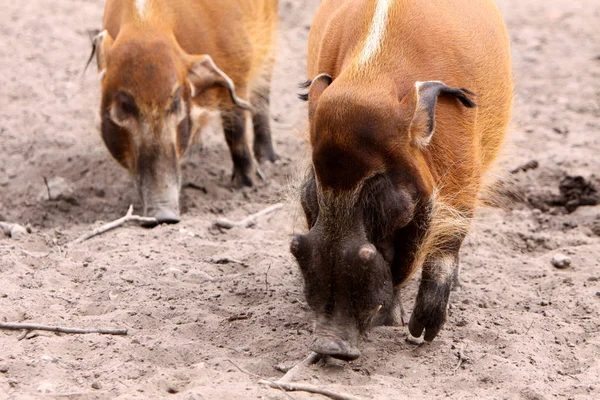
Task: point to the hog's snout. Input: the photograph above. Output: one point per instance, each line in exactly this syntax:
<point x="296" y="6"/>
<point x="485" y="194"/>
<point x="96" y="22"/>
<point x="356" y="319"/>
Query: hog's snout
<point x="335" y="347"/>
<point x="164" y="207"/>
<point x="160" y="196"/>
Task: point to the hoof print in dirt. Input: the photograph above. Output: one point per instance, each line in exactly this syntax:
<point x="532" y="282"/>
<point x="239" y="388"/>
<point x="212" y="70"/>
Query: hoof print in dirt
<point x="575" y="191"/>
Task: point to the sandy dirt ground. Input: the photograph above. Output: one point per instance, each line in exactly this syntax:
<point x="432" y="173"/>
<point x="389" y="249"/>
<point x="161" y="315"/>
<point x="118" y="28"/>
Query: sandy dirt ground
<point x="527" y="329"/>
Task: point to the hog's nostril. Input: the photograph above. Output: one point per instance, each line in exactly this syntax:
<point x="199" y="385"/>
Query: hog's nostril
<point x="295" y="246"/>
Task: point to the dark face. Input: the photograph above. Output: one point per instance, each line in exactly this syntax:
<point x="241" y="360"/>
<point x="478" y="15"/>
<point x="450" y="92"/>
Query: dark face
<point x="146" y="123"/>
<point x="345" y="259"/>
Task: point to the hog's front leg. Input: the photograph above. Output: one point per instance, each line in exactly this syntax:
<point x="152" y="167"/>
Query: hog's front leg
<point x="234" y="127"/>
<point x="439" y="272"/>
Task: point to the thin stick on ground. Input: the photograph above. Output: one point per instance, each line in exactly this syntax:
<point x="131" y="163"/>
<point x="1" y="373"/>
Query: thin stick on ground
<point x="285" y="382"/>
<point x="261" y="378"/>
<point x="304" y="387"/>
<point x="114" y="224"/>
<point x="267" y="279"/>
<point x="36" y="327"/>
<point x="248" y="221"/>
<point x="461" y="357"/>
<point x="228" y="260"/>
<point x="530" y="325"/>
<point x="290" y="376"/>
<point x="47" y="188"/>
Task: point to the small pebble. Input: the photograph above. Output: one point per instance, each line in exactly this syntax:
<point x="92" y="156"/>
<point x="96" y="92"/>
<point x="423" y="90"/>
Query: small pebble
<point x="172" y="389"/>
<point x="173" y="272"/>
<point x="3" y="368"/>
<point x="45" y="387"/>
<point x="561" y="261"/>
<point x="96" y="386"/>
<point x="598" y="294"/>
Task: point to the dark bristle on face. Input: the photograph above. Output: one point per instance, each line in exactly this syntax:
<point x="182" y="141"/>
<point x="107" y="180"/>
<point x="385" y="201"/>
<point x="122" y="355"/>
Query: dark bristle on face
<point x="385" y="207"/>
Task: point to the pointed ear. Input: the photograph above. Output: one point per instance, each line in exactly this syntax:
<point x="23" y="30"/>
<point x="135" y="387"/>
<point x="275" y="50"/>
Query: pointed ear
<point x="101" y="43"/>
<point x="423" y="101"/>
<point x="316" y="87"/>
<point x="204" y="74"/>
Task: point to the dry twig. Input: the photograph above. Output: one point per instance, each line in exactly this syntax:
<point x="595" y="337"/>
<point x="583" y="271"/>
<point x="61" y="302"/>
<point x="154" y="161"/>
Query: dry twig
<point x="114" y="224"/>
<point x="239" y="317"/>
<point x="228" y="260"/>
<point x="261" y="378"/>
<point x="530" y="325"/>
<point x="569" y="375"/>
<point x="290" y="376"/>
<point x="62" y="298"/>
<point x="36" y="327"/>
<point x="461" y="357"/>
<point x="304" y="387"/>
<point x="248" y="221"/>
<point x="267" y="279"/>
<point x="48" y="188"/>
<point x="34" y="255"/>
<point x="285" y="382"/>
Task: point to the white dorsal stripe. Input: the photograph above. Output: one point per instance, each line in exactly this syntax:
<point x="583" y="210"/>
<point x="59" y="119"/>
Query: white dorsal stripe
<point x="376" y="33"/>
<point x="141" y="6"/>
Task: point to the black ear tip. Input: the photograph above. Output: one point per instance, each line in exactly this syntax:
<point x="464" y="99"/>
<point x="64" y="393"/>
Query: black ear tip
<point x="466" y="98"/>
<point x="305" y="84"/>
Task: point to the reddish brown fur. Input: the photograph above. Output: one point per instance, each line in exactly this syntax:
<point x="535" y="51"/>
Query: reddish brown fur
<point x="452" y="42"/>
<point x="153" y="56"/>
<point x="369" y="131"/>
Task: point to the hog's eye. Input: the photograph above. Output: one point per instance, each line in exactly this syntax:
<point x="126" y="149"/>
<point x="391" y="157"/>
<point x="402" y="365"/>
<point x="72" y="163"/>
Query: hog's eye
<point x="125" y="104"/>
<point x="123" y="108"/>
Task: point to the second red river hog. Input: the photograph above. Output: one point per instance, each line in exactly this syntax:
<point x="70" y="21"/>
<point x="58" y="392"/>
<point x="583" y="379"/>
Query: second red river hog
<point x="164" y="66"/>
